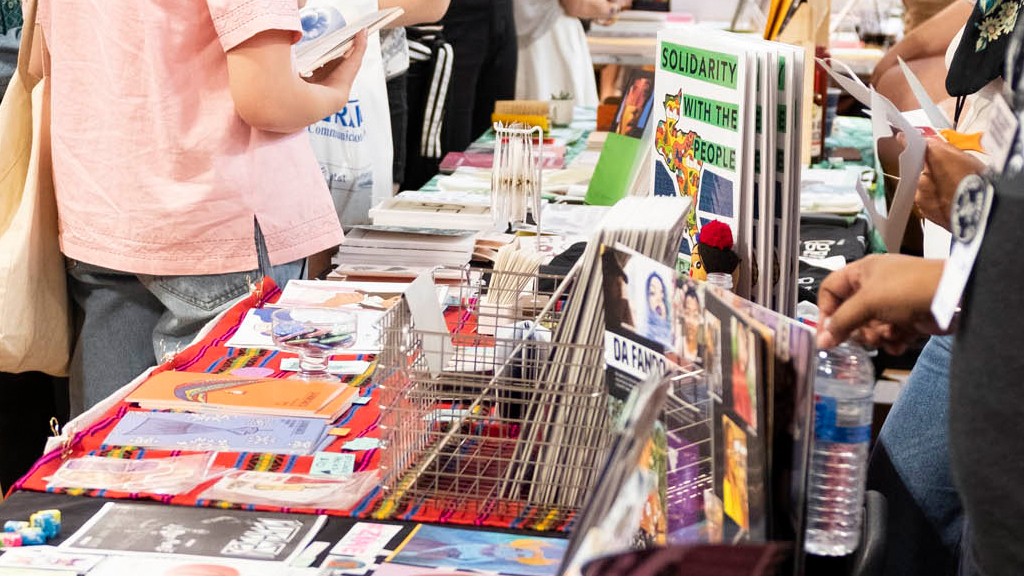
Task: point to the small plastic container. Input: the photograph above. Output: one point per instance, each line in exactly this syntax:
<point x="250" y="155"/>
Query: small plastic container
<point x="720" y="279"/>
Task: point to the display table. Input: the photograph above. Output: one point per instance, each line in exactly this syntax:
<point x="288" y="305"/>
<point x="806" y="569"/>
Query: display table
<point x="210" y="355"/>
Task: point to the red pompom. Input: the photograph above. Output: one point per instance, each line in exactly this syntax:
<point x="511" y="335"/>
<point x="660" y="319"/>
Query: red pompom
<point x="716" y="234"/>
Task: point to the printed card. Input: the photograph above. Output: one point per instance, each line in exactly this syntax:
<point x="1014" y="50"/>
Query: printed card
<point x="366" y="540"/>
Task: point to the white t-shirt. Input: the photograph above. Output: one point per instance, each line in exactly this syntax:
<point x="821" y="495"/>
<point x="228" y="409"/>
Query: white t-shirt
<point x="553" y="54"/>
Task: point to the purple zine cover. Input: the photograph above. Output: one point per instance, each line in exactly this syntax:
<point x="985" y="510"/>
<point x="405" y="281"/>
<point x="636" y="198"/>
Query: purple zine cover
<point x="217" y="432"/>
<point x="438" y="547"/>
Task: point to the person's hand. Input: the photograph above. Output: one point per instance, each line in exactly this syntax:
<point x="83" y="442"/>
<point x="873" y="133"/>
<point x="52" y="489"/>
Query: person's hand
<point x="882" y="300"/>
<point x="945" y="166"/>
<point x="339" y="74"/>
<point x="603" y="12"/>
<point x="610" y="13"/>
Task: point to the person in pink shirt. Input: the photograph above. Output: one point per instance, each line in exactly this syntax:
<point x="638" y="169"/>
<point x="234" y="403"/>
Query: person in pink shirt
<point x="181" y="167"/>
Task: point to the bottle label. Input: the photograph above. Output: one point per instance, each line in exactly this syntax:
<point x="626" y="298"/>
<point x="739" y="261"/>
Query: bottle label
<point x="817" y="126"/>
<point x="848" y="425"/>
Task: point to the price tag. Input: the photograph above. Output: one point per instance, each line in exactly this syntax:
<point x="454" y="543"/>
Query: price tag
<point x="971" y="208"/>
<point x="360" y="444"/>
<point x="332" y="464"/>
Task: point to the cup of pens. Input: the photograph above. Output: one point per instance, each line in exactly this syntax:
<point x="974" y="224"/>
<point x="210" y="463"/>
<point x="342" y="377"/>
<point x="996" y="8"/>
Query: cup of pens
<point x="314" y="334"/>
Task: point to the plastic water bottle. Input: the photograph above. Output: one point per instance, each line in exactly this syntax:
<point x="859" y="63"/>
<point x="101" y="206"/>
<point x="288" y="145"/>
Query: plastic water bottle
<point x="843" y="404"/>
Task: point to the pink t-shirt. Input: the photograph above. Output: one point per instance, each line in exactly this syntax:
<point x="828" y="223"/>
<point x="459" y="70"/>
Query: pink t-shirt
<point x="154" y="171"/>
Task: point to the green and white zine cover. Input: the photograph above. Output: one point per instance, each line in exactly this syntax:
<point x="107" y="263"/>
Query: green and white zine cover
<point x="701" y="112"/>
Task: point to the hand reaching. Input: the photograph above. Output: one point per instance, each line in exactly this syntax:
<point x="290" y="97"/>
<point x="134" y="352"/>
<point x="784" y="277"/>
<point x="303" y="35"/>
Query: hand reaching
<point x="882" y="300"/>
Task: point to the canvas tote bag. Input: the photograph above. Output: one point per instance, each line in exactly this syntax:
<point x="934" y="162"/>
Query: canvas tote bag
<point x="34" y="323"/>
<point x="354" y="146"/>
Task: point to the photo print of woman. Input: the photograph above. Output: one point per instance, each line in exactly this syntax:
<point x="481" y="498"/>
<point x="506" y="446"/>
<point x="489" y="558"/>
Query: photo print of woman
<point x="657" y="312"/>
<point x="651" y="292"/>
<point x="743" y="377"/>
<point x="692" y="338"/>
<point x="713" y="353"/>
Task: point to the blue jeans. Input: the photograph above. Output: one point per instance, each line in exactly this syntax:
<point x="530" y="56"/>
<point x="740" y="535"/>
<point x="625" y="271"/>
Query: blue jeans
<point x="910" y="466"/>
<point x="129" y="322"/>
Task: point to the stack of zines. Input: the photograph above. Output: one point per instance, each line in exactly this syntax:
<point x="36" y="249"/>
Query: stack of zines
<point x="400" y="251"/>
<point x="652" y="226"/>
<point x="728" y="130"/>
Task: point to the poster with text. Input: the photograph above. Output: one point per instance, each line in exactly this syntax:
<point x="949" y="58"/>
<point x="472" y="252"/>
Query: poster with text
<point x="701" y="102"/>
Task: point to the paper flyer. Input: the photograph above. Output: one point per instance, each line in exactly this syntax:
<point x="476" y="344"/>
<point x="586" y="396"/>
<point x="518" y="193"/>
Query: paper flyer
<point x="47" y="558"/>
<point x="366" y="539"/>
<point x="161" y="529"/>
<point x="217" y="432"/>
<point x="255" y="329"/>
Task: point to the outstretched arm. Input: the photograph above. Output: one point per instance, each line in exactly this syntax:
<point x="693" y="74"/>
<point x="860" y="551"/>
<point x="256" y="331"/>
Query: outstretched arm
<point x="884" y="299"/>
<point x="270" y="96"/>
<point x="417" y="11"/>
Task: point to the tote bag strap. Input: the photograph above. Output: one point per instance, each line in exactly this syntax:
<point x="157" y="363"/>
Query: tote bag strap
<point x="28" y="34"/>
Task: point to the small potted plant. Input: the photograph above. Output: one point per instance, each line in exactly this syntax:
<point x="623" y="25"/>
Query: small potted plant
<point x="561" y="108"/>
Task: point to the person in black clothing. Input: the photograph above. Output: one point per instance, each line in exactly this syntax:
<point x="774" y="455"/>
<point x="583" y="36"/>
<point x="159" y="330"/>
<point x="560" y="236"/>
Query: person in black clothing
<point x="459" y="69"/>
<point x="482" y="34"/>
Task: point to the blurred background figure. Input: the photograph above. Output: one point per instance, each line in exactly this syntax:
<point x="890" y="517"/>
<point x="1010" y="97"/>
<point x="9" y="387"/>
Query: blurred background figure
<point x="482" y="34"/>
<point x="554" y="59"/>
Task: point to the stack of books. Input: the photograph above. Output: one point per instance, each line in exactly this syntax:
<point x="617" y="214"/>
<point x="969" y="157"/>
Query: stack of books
<point x="403" y="251"/>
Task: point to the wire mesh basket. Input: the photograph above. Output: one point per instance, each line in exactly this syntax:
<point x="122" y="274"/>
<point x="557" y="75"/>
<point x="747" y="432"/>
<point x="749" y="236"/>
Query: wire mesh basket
<point x="492" y="432"/>
<point x="687" y="418"/>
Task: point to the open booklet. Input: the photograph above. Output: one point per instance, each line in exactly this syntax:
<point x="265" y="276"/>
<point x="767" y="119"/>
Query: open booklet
<point x="327" y="36"/>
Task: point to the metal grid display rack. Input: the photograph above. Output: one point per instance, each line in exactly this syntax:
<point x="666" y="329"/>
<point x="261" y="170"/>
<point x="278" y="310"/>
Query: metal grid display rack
<point x="688" y="424"/>
<point x="491" y="433"/>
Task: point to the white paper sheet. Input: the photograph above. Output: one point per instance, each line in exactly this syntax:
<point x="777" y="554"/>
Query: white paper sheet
<point x="428" y="318"/>
<point x="911" y="161"/>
